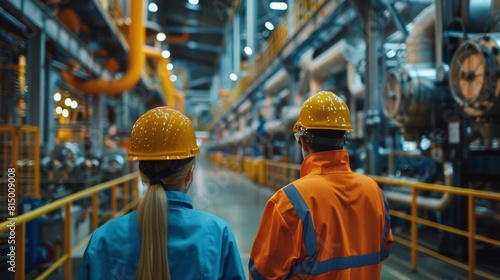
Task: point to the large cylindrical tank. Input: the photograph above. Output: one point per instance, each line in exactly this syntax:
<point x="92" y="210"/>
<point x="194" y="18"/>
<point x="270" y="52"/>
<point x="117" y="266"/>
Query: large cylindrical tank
<point x="411" y="99"/>
<point x="475" y="76"/>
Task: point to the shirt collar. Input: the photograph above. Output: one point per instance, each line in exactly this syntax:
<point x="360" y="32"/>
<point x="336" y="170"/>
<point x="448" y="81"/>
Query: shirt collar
<point x="176" y="198"/>
<point x="326" y="162"/>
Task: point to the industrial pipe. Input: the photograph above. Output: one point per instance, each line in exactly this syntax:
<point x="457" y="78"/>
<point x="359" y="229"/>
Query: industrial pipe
<point x="329" y="62"/>
<point x="305" y="74"/>
<point x="354" y="82"/>
<point x="420" y="47"/>
<point x="135" y="60"/>
<point x="276" y="82"/>
<point x="181" y="100"/>
<point x="168" y="86"/>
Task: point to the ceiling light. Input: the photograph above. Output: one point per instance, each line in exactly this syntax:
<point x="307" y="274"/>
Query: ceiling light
<point x="74" y="104"/>
<point x="161" y="37"/>
<point x="57" y="96"/>
<point x="65" y="113"/>
<point x="233" y="77"/>
<point x="152" y="7"/>
<point x="67" y="102"/>
<point x="248" y="50"/>
<point x="193" y="2"/>
<point x="269" y="25"/>
<point x="173" y="78"/>
<point x="170" y="66"/>
<point x="59" y="110"/>
<point x="165" y="54"/>
<point x="278" y="6"/>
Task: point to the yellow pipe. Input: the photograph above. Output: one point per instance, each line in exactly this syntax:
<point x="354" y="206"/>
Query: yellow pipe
<point x="137" y="39"/>
<point x="181" y="102"/>
<point x="168" y="86"/>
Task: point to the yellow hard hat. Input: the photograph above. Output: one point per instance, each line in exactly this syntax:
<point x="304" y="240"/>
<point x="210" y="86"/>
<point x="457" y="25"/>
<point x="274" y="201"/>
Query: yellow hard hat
<point x="163" y="133"/>
<point x="324" y="110"/>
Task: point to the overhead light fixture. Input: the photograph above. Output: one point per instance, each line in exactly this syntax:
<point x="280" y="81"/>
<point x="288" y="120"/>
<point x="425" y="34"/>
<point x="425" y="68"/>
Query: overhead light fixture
<point x="57" y="96"/>
<point x="193" y="2"/>
<point x="165" y="54"/>
<point x="74" y="104"/>
<point x="59" y="110"/>
<point x="278" y="6"/>
<point x="65" y="113"/>
<point x="173" y="78"/>
<point x="248" y="50"/>
<point x="152" y="7"/>
<point x="170" y="66"/>
<point x="161" y="37"/>
<point x="269" y="25"/>
<point x="67" y="102"/>
<point x="233" y="77"/>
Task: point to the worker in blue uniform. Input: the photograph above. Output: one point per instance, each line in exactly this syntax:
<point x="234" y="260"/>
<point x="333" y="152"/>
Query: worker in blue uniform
<point x="166" y="238"/>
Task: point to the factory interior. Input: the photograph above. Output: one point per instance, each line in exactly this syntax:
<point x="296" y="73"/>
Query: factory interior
<point x="421" y="79"/>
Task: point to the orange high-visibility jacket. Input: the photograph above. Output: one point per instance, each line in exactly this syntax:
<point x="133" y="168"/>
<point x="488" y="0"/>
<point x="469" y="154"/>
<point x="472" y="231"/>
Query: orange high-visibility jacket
<point x="331" y="223"/>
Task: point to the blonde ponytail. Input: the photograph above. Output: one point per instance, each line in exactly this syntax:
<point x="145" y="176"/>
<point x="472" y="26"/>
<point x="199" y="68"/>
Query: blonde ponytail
<point x="152" y="218"/>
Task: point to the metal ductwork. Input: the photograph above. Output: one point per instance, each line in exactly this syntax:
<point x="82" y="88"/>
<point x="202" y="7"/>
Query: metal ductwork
<point x="329" y="62"/>
<point x="305" y="74"/>
<point x="410" y="97"/>
<point x="137" y="38"/>
<point x="474" y="76"/>
<point x="276" y="82"/>
<point x="421" y="40"/>
<point x="475" y="82"/>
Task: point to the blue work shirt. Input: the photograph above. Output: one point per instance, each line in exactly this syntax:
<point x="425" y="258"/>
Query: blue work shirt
<point x="200" y="246"/>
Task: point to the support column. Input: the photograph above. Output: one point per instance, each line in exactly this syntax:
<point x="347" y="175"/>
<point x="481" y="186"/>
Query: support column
<point x="49" y="136"/>
<point x="236" y="45"/>
<point x="98" y="120"/>
<point x="373" y="126"/>
<point x="37" y="93"/>
<point x="251" y="22"/>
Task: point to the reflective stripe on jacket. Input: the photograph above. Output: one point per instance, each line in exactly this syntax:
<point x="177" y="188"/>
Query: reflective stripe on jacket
<point x="329" y="224"/>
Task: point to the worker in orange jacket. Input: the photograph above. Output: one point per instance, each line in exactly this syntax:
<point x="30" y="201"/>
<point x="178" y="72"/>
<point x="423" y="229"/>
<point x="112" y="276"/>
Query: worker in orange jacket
<point x="331" y="223"/>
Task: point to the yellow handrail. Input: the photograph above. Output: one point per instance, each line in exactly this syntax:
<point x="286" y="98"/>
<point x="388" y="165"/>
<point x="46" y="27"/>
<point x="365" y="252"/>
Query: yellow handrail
<point x="285" y="173"/>
<point x="20" y="222"/>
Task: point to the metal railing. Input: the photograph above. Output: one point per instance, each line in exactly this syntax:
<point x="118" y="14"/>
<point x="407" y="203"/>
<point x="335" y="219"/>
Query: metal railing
<point x="20" y="153"/>
<point x="19" y="232"/>
<point x="275" y="175"/>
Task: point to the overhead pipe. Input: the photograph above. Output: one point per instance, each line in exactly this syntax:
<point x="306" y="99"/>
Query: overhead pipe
<point x="420" y="47"/>
<point x="137" y="38"/>
<point x="181" y="100"/>
<point x="168" y="86"/>
<point x="305" y="74"/>
<point x="276" y="82"/>
<point x="329" y="62"/>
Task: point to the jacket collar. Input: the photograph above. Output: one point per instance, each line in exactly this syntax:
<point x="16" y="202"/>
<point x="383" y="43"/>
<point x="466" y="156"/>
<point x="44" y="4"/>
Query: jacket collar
<point x="178" y="199"/>
<point x="326" y="162"/>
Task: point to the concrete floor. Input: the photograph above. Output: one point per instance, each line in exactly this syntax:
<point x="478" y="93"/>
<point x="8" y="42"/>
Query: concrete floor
<point x="240" y="202"/>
